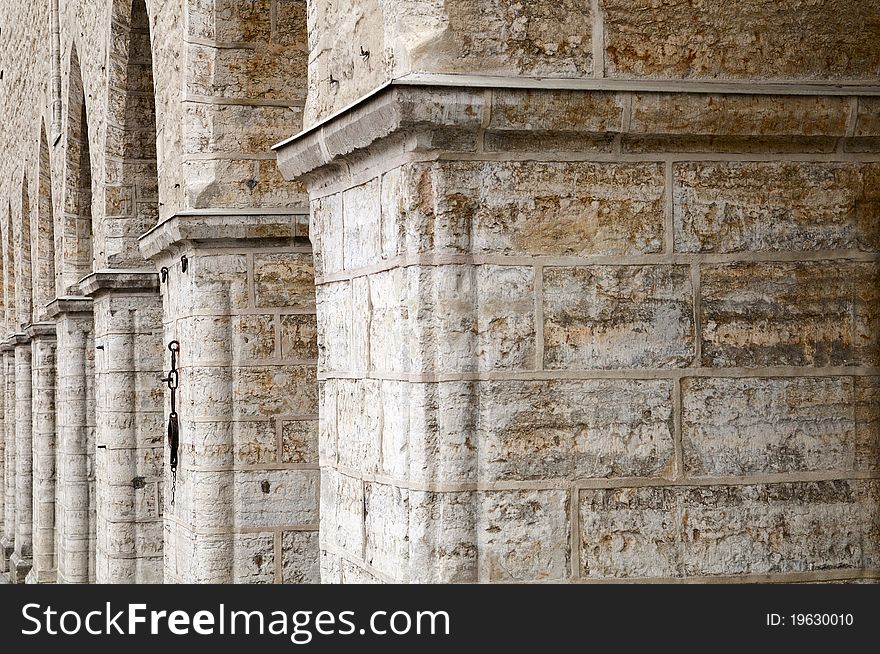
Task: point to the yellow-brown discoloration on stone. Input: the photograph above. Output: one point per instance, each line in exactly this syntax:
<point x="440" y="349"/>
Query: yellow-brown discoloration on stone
<point x="800" y="39"/>
<point x="618" y="317"/>
<point x="791" y="314"/>
<point x="760" y="206"/>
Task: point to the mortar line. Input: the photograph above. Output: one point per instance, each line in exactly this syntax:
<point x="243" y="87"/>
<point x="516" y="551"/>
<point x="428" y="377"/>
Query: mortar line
<point x="841" y="574"/>
<point x="668" y="210"/>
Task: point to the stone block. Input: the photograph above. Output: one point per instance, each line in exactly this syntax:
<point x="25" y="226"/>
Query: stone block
<point x="773" y="206"/>
<point x="574" y="429"/>
<point x="823" y="313"/>
<point x="721" y="530"/>
<point x="618" y="317"/>
<point x="299" y="557"/>
<point x="755" y="426"/>
<point x="524" y="536"/>
<point x="644" y="38"/>
<point x="284" y="280"/>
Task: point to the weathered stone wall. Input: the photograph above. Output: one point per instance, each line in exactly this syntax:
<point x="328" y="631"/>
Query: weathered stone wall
<point x="596" y="290"/>
<point x="621" y="324"/>
<point x="138" y="113"/>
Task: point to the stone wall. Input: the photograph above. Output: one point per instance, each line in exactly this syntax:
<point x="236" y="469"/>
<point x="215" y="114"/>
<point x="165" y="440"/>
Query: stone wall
<point x="543" y="291"/>
<point x="616" y="323"/>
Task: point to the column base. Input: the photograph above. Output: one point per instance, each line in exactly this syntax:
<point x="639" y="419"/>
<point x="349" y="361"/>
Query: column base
<point x="41" y="577"/>
<point x="19" y="568"/>
<point x="7" y="547"/>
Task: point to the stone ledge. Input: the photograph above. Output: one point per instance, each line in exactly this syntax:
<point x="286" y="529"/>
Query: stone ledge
<point x="68" y="304"/>
<point x="119" y="281"/>
<point x="430" y="106"/>
<point x="41" y="330"/>
<point x="13" y="340"/>
<point x="19" y="567"/>
<point x="225" y="228"/>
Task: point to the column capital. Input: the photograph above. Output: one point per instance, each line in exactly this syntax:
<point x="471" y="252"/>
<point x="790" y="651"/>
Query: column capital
<point x="40" y="330"/>
<point x="119" y="281"/>
<point x="13" y="340"/>
<point x="68" y="304"/>
<point x="213" y="228"/>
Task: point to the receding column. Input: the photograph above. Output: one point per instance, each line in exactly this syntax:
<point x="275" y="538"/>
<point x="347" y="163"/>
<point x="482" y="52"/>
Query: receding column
<point x="20" y="563"/>
<point x="7" y="538"/>
<point x="75" y="508"/>
<point x="246" y="501"/>
<point x="130" y="429"/>
<point x="43" y="353"/>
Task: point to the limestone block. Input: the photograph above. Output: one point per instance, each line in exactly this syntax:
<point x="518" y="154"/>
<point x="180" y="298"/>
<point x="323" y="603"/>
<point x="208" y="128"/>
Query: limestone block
<point x="361" y="220"/>
<point x="798" y="314"/>
<point x="274" y="390"/>
<point x="342" y="512"/>
<point x="218" y="281"/>
<point x="867" y="419"/>
<point x="577" y="429"/>
<point x="472" y="318"/>
<point x="527" y="120"/>
<point x="331" y="572"/>
<point x="334" y="326"/>
<point x="753" y="426"/>
<point x="524" y="536"/>
<point x="648" y="39"/>
<point x="443" y="547"/>
<point x="299" y="441"/>
<point x="618" y="317"/>
<point x="237" y="129"/>
<point x="284" y="279"/>
<point x="256" y="498"/>
<point x="253" y="336"/>
<point x="299" y="337"/>
<point x="386" y="528"/>
<point x="243" y="72"/>
<point x="761" y="206"/>
<point x="708" y="530"/>
<point x="225" y="443"/>
<point x="441" y="442"/>
<point x="325" y="227"/>
<point x="359" y="423"/>
<point x="299" y="557"/>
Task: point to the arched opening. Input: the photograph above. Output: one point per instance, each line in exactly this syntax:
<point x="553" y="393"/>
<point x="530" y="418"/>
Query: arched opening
<point x="131" y="190"/>
<point x="43" y="236"/>
<point x="76" y="224"/>
<point x="23" y="269"/>
<point x="9" y="290"/>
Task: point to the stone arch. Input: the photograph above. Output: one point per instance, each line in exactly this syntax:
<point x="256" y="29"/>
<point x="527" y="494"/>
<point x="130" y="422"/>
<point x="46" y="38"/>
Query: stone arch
<point x="131" y="181"/>
<point x="77" y="257"/>
<point x="9" y="287"/>
<point x="21" y="234"/>
<point x="43" y="234"/>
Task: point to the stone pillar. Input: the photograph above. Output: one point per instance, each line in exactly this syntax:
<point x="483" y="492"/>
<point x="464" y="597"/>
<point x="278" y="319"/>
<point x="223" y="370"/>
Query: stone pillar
<point x="21" y="561"/>
<point x="75" y="462"/>
<point x="130" y="429"/>
<point x="561" y="340"/>
<point x="246" y="502"/>
<point x="7" y="538"/>
<point x="43" y="353"/>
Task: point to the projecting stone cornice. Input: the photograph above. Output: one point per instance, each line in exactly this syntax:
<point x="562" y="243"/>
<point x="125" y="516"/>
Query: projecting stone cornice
<point x="67" y="305"/>
<point x="41" y="330"/>
<point x="638" y="111"/>
<point x="108" y="281"/>
<point x="12" y="340"/>
<point x="224" y="228"/>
